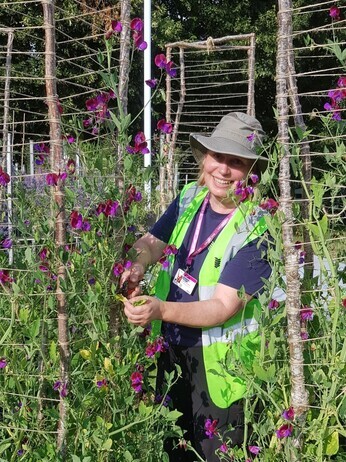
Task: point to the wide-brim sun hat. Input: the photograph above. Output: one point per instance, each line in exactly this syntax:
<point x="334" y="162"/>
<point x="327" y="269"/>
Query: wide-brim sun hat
<point x="236" y="134"/>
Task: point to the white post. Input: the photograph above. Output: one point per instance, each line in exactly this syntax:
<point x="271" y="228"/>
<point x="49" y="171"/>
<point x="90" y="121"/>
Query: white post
<point x="31" y="159"/>
<point x="147" y="89"/>
<point x="9" y="194"/>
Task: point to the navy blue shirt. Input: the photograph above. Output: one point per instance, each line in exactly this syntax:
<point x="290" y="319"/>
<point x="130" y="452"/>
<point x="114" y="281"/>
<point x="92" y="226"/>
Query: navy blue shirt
<point x="247" y="269"/>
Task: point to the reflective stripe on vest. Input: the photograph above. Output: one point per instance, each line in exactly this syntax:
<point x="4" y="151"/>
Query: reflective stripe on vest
<point x="240" y="332"/>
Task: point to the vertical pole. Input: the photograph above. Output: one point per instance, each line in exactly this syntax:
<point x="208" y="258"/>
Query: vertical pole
<point x="298" y="392"/>
<point x="58" y="199"/>
<point x="9" y="194"/>
<point x="147" y="91"/>
<point x="251" y="70"/>
<point x="7" y="94"/>
<point x="31" y="158"/>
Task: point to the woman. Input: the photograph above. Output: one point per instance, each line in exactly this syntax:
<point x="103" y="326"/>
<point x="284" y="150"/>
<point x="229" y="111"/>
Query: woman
<point x="206" y="298"/>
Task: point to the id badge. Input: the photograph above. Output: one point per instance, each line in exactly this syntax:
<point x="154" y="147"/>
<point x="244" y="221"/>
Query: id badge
<point x="184" y="281"/>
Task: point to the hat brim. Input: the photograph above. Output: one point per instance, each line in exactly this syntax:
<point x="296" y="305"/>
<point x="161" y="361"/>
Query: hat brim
<point x="200" y="144"/>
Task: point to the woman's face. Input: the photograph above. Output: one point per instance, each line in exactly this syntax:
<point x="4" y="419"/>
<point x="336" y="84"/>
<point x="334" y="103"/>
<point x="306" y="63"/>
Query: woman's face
<point x="222" y="172"/>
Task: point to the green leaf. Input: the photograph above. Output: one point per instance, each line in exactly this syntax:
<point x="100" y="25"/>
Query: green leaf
<point x="4" y="446"/>
<point x="28" y="255"/>
<point x="53" y="351"/>
<point x="342" y="408"/>
<point x="24" y="315"/>
<point x="264" y="375"/>
<point x="35" y="328"/>
<point x="144" y="410"/>
<point x="324" y="224"/>
<point x="128" y="162"/>
<point x="173" y="415"/>
<point x="127" y="456"/>
<point x="75" y="458"/>
<point x="332" y="444"/>
<point x="107" y="444"/>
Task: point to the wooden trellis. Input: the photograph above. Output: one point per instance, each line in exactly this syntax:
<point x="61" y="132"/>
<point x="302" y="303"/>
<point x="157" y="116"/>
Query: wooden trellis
<point x="214" y="77"/>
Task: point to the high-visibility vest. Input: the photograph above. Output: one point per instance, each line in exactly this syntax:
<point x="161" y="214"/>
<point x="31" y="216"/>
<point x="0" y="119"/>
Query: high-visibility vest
<point x="239" y="333"/>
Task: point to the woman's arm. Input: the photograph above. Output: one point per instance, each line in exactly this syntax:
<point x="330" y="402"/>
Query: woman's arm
<point x="224" y="304"/>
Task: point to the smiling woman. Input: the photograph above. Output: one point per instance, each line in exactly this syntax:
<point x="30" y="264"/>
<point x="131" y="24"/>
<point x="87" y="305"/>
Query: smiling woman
<point x="216" y="233"/>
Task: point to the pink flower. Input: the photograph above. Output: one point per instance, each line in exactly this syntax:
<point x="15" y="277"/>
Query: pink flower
<point x="254" y="450"/>
<point x="334" y="12"/>
<point x="52" y="179"/>
<point x="164" y="126"/>
<point x="284" y="431"/>
<point x="70" y="139"/>
<point x="223" y="448"/>
<point x="210" y="428"/>
<point x="160" y="61"/>
<point x="269" y="204"/>
<point x="136" y="24"/>
<point x="43" y="254"/>
<point x="4" y="177"/>
<point x="4" y="277"/>
<point x="254" y="178"/>
<point x="170" y="249"/>
<point x="343" y="302"/>
<point x="76" y="220"/>
<point x="3" y="363"/>
<point x="6" y="243"/>
<point x="288" y="414"/>
<point x="306" y="313"/>
<point x="273" y="304"/>
<point x="251" y="137"/>
<point x="120" y="267"/>
<point x="101" y="384"/>
<point x="304" y="335"/>
<point x="140" y="145"/>
<point x="137" y="381"/>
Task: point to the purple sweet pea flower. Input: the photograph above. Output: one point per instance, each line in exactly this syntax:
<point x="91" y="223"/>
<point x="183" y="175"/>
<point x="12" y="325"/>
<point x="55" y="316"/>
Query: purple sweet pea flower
<point x="273" y="304"/>
<point x="3" y="363"/>
<point x="284" y="431"/>
<point x="288" y="414"/>
<point x="137" y="381"/>
<point x="223" y="448"/>
<point x="210" y="428"/>
<point x="334" y="12"/>
<point x="6" y="243"/>
<point x="136" y="24"/>
<point x="254" y="450"/>
<point x="152" y="83"/>
<point x="165" y="127"/>
<point x="306" y="313"/>
<point x="4" y="177"/>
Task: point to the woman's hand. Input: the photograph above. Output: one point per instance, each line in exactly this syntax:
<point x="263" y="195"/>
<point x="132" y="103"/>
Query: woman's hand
<point x="142" y="310"/>
<point x="132" y="277"/>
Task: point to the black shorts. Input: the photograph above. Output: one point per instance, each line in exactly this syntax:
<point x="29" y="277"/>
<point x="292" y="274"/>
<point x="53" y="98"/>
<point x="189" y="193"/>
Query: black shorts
<point x="190" y="396"/>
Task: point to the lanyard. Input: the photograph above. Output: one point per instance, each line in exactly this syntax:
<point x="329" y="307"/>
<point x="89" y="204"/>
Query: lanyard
<point x="193" y="252"/>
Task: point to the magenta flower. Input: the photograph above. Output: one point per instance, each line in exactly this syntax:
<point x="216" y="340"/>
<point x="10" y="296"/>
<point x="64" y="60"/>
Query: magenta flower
<point x="210" y="428"/>
<point x="110" y="208"/>
<point x="269" y="204"/>
<point x="140" y="145"/>
<point x="6" y="243"/>
<point x="243" y="191"/>
<point x="288" y="414"/>
<point x="334" y="12"/>
<point x="4" y="177"/>
<point x="119" y="267"/>
<point x="70" y="139"/>
<point x="254" y="450"/>
<point x="223" y="448"/>
<point x="273" y="304"/>
<point x="164" y="126"/>
<point x="61" y="387"/>
<point x="4" y="277"/>
<point x="304" y="335"/>
<point x="254" y="178"/>
<point x="43" y="254"/>
<point x="101" y="383"/>
<point x="159" y="345"/>
<point x="117" y="26"/>
<point x="76" y="220"/>
<point x="136" y="24"/>
<point x="139" y="41"/>
<point x="137" y="381"/>
<point x="342" y="81"/>
<point x="306" y="313"/>
<point x="284" y="431"/>
<point x="3" y="363"/>
<point x="52" y="179"/>
<point x="151" y="83"/>
<point x="343" y="302"/>
<point x="160" y="61"/>
<point x="86" y="226"/>
<point x="251" y="137"/>
<point x="42" y="148"/>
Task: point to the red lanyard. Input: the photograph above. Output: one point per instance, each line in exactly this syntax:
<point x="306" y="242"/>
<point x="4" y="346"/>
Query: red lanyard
<point x="193" y="251"/>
